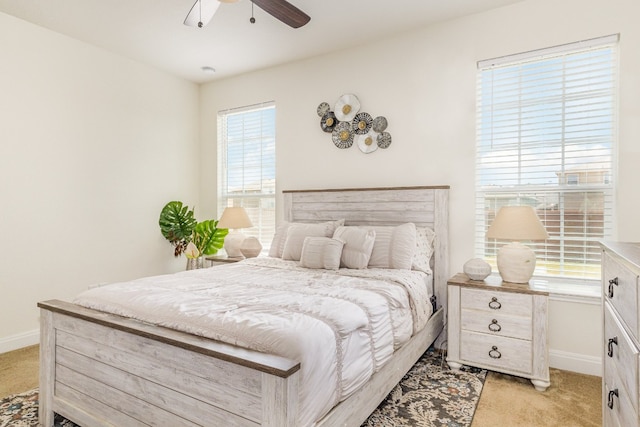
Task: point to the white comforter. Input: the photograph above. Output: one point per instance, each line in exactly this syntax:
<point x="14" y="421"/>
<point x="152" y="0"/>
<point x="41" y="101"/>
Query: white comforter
<point x="342" y="326"/>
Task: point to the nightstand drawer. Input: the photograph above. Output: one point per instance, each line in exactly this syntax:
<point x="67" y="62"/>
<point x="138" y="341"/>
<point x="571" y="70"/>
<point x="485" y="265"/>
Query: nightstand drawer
<point x="496" y="352"/>
<point x="620" y="355"/>
<point x="507" y="303"/>
<point x="497" y="324"/>
<point x="620" y="287"/>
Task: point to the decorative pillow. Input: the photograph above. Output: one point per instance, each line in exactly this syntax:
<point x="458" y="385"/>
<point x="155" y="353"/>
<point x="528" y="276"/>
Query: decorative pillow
<point x="277" y="244"/>
<point x="321" y="252"/>
<point x="358" y="244"/>
<point x="394" y="246"/>
<point x="424" y="249"/>
<point x="280" y="238"/>
<point x="296" y="234"/>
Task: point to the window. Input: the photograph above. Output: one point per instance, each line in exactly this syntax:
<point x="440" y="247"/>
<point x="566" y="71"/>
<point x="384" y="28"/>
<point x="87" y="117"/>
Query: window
<point x="247" y="166"/>
<point x="546" y="137"/>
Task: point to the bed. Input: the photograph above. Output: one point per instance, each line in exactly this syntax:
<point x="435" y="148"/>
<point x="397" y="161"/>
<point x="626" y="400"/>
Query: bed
<point x="103" y="369"/>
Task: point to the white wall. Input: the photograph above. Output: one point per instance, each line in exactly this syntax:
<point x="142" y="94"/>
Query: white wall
<point x="92" y="146"/>
<point x="424" y="83"/>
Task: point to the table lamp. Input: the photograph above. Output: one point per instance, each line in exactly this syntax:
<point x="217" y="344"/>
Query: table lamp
<point x="516" y="261"/>
<point x="234" y="218"/>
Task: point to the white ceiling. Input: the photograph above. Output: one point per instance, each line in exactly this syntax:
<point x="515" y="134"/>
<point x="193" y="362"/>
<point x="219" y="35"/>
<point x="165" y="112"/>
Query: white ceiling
<point x="151" y="31"/>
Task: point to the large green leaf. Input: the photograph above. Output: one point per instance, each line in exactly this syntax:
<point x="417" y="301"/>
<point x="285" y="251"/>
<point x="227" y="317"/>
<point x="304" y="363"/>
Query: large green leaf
<point x="208" y="238"/>
<point x="177" y="223"/>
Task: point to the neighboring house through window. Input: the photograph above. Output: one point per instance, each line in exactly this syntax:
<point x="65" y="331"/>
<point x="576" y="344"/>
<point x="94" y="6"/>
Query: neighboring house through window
<point x="546" y="137"/>
<point x="247" y="166"/>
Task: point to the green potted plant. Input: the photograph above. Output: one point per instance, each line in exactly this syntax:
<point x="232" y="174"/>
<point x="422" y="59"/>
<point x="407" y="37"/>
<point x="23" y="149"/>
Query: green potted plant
<point x="195" y="239"/>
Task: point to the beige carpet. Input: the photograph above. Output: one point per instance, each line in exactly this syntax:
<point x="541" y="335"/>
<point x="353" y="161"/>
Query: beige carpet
<point x="19" y="370"/>
<point x="572" y="400"/>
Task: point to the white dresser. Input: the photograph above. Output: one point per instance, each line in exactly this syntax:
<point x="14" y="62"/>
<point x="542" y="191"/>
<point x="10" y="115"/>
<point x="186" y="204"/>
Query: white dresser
<point x="620" y="271"/>
<point x="498" y="326"/>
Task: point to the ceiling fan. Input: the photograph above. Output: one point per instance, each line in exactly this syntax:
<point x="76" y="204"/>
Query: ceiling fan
<point x="203" y="10"/>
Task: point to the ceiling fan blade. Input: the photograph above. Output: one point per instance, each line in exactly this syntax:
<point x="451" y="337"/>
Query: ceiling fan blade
<point x="201" y="13"/>
<point x="284" y="11"/>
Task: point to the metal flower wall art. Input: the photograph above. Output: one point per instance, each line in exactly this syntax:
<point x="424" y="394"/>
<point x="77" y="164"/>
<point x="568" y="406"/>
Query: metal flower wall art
<point x="347" y="124"/>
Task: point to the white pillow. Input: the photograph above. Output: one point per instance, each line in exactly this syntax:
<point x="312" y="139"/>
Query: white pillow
<point x="394" y="246"/>
<point x="321" y="252"/>
<point x="296" y="234"/>
<point x="424" y="249"/>
<point x="358" y="244"/>
<point x="280" y="237"/>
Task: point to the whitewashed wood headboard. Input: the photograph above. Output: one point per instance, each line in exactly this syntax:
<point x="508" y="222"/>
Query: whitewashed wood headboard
<point x="424" y="206"/>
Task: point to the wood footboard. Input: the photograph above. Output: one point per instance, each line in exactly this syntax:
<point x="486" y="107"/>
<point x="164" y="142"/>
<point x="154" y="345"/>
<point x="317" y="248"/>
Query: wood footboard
<point x="98" y="369"/>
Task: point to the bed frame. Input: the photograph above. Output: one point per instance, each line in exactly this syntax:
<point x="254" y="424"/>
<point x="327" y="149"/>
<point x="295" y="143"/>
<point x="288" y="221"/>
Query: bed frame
<point x="99" y="369"/>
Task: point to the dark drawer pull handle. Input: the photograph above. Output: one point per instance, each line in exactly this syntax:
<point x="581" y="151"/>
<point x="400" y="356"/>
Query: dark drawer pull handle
<point x="494" y="353"/>
<point x="494" y="326"/>
<point x="494" y="304"/>
<point x="612" y="341"/>
<point x="612" y="282"/>
<point x="610" y="399"/>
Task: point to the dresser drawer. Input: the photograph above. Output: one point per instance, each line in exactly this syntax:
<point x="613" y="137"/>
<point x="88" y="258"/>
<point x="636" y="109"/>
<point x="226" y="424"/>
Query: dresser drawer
<point x="620" y="355"/>
<point x="496" y="352"/>
<point x="490" y="301"/>
<point x="497" y="323"/>
<point x="617" y="405"/>
<point x="621" y="290"/>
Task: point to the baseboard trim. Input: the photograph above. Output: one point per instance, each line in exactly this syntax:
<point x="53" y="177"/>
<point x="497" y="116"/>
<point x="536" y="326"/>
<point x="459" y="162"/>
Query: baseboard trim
<point x="575" y="362"/>
<point x="14" y="342"/>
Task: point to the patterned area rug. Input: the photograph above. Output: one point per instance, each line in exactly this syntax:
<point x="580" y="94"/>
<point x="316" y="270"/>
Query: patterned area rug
<point x="21" y="410"/>
<point x="429" y="395"/>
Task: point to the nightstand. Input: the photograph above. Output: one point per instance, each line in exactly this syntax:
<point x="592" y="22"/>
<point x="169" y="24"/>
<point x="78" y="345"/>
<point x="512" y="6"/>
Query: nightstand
<point x="498" y="326"/>
<point x="214" y="260"/>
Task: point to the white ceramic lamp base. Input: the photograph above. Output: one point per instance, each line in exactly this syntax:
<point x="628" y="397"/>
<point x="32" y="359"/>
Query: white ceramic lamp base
<point x="232" y="243"/>
<point x="516" y="263"/>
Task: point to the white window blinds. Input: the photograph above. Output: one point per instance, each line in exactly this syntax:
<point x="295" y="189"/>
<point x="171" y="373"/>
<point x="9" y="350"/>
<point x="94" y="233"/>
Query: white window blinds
<point x="546" y="132"/>
<point x="247" y="166"/>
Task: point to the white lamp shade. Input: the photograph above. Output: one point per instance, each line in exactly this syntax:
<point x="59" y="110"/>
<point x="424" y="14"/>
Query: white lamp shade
<point x="517" y="223"/>
<point x="234" y="217"/>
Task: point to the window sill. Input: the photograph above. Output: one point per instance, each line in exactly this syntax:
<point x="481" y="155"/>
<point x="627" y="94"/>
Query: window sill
<point x="586" y="291"/>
